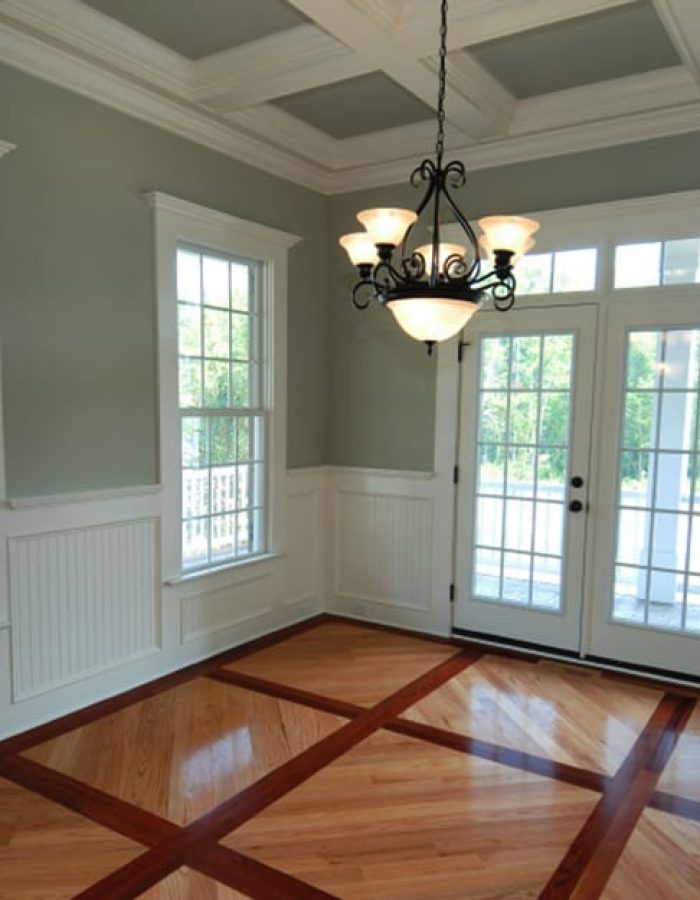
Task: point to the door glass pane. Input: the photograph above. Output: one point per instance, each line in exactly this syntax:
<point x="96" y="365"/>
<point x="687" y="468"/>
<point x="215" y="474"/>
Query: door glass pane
<point x="525" y="409"/>
<point x="658" y="465"/>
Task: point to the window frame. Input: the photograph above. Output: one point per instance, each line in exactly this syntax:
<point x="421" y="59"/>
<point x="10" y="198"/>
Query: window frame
<point x="178" y="222"/>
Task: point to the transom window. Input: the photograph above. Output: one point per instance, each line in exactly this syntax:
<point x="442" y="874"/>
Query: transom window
<point x="562" y="272"/>
<point x="657" y="263"/>
<point x="222" y="419"/>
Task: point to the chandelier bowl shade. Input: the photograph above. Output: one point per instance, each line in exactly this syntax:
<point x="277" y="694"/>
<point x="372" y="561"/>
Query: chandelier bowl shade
<point x="432" y="319"/>
<point x="508" y="233"/>
<point x="387" y="226"/>
<point x="360" y="248"/>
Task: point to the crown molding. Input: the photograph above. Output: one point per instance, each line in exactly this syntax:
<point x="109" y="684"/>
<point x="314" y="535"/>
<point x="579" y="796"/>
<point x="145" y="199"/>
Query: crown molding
<point x="75" y="26"/>
<point x="527" y="148"/>
<point x="6" y="148"/>
<point x="67" y="43"/>
<point x="33" y="54"/>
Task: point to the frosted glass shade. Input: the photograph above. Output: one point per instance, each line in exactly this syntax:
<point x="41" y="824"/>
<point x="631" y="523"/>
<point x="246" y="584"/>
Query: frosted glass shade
<point x="432" y="318"/>
<point x="444" y="252"/>
<point x="508" y="232"/>
<point x="359" y="248"/>
<point x="385" y="225"/>
<point x="490" y="249"/>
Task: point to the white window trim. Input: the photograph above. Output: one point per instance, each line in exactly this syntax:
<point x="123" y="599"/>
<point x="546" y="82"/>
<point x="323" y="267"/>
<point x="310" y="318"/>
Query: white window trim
<point x="179" y="221"/>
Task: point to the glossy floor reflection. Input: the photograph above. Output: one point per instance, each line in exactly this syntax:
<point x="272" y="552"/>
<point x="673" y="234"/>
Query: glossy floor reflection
<point x="569" y="715"/>
<point x="188" y="885"/>
<point x="269" y="798"/>
<point x="347" y="662"/>
<point x="411" y="820"/>
<point x="183" y="752"/>
<point x="682" y="774"/>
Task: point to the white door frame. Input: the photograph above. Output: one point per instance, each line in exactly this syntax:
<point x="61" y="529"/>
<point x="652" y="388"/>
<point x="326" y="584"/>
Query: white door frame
<point x="603" y="226"/>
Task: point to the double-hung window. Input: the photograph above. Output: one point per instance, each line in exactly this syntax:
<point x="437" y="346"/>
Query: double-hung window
<point x="222" y="314"/>
<point x="222" y="416"/>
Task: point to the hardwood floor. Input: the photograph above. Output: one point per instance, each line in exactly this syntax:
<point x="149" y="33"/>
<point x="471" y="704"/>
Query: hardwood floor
<point x="349" y="761"/>
<point x="566" y="714"/>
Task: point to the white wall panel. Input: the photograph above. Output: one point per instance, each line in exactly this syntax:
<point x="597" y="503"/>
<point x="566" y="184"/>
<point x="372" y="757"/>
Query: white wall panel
<point x="82" y="601"/>
<point x="384" y="548"/>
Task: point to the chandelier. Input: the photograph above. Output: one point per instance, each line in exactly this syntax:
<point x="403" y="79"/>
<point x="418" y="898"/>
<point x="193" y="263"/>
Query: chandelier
<point x="435" y="289"/>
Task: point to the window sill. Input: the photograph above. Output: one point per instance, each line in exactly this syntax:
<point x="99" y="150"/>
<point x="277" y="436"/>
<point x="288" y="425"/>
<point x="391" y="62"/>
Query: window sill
<point x="243" y="566"/>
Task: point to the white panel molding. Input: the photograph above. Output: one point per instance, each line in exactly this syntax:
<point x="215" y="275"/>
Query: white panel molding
<point x="383" y="549"/>
<point x="62" y="566"/>
<point x="83" y="496"/>
<point x="82" y="601"/>
<point x="286" y="63"/>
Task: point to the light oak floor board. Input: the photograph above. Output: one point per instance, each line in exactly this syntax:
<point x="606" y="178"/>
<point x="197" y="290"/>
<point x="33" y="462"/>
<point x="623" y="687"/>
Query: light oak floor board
<point x="398" y="818"/>
<point x="50" y="853"/>
<point x="573" y="716"/>
<point x="661" y="861"/>
<point x="682" y="774"/>
<point x="186" y="750"/>
<point x="347" y="662"/>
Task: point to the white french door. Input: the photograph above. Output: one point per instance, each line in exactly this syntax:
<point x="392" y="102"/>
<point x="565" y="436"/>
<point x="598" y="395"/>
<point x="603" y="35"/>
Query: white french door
<point x="645" y="579"/>
<point x="525" y="427"/>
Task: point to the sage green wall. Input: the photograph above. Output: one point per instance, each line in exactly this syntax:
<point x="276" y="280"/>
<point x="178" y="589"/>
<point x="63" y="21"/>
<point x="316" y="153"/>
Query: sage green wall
<point x="77" y="286"/>
<point x="381" y="397"/>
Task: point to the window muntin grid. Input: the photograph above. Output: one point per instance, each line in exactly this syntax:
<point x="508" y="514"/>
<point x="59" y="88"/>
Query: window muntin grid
<point x="222" y="421"/>
<point x="525" y="385"/>
<point x="560" y="272"/>
<point x="657" y="557"/>
<point x="655" y="263"/>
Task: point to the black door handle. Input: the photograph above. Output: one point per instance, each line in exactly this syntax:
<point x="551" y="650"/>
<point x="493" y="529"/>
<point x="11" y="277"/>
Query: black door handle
<point x="577" y="481"/>
<point x="575" y="506"/>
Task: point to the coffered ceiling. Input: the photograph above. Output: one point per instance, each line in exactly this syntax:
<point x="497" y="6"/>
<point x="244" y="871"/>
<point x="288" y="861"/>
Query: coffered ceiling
<point x="340" y="94"/>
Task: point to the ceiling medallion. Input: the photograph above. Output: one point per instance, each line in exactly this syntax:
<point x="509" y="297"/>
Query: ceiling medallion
<point x="436" y="288"/>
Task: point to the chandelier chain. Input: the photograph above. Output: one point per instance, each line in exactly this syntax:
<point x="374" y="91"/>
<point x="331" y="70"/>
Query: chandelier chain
<point x="442" y="79"/>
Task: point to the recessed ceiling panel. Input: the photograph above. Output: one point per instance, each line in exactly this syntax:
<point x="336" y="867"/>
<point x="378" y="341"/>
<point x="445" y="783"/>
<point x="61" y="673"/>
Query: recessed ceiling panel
<point x="611" y="44"/>
<point x="197" y="28"/>
<point x="357" y="106"/>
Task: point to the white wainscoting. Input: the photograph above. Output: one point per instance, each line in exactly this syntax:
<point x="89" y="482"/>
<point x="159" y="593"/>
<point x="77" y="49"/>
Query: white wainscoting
<point x="389" y="548"/>
<point x="81" y="601"/>
<point x="84" y="612"/>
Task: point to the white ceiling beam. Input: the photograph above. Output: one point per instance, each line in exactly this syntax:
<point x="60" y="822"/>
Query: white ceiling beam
<point x="286" y="63"/>
<point x="357" y="25"/>
<point x="609" y="100"/>
<point x="681" y="19"/>
<point x="476" y="21"/>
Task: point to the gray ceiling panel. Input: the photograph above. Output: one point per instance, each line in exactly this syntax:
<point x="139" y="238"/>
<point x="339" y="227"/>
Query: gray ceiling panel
<point x="624" y="41"/>
<point x="197" y="28"/>
<point x="357" y="106"/>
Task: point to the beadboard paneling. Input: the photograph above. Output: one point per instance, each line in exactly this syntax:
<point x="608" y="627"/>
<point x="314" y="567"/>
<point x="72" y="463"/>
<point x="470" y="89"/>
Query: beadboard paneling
<point x="82" y="601"/>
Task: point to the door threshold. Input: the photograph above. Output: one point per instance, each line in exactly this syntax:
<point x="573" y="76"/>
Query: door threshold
<point x="572" y="656"/>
